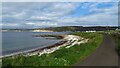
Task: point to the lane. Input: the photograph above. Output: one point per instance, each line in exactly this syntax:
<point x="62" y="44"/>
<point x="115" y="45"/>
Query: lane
<point x="105" y="55"/>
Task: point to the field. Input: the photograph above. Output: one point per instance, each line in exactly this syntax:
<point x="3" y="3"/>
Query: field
<point x="61" y="57"/>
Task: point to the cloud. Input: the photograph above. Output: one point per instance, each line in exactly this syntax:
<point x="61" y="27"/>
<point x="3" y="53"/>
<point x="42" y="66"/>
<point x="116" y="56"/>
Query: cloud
<point x="32" y="14"/>
<point x="60" y="0"/>
<point x="15" y="15"/>
<point x="41" y="24"/>
<point x="30" y="23"/>
<point x="99" y="17"/>
<point x="8" y="24"/>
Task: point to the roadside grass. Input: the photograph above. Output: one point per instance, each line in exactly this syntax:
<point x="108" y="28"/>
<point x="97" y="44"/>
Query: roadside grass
<point x="61" y="57"/>
<point x="116" y="38"/>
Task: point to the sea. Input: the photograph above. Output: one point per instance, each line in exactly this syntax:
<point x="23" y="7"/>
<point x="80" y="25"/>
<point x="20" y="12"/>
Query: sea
<point x="15" y="42"/>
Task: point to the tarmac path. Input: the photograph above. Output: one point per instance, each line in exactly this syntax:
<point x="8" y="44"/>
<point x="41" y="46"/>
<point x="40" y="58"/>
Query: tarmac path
<point x="105" y="55"/>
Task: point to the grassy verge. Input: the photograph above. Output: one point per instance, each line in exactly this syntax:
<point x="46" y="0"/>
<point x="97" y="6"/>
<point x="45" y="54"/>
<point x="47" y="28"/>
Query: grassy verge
<point x="61" y="57"/>
<point x="116" y="37"/>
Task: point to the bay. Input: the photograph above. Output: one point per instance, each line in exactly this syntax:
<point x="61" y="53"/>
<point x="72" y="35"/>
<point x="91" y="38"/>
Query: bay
<point x="13" y="42"/>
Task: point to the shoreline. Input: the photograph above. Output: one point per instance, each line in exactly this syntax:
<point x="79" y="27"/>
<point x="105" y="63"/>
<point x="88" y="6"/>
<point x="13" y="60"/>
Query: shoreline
<point x="67" y="42"/>
<point x="30" y="50"/>
<point x="34" y="50"/>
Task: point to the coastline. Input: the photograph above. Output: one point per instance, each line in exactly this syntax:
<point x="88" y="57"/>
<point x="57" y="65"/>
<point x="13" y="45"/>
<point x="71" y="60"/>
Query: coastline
<point x="67" y="42"/>
<point x="33" y="50"/>
<point x="63" y="56"/>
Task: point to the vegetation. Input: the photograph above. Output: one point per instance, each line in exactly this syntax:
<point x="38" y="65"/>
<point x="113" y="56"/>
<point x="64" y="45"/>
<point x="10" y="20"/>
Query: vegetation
<point x="63" y="28"/>
<point x="79" y="28"/>
<point x="116" y="36"/>
<point x="68" y="28"/>
<point x="61" y="57"/>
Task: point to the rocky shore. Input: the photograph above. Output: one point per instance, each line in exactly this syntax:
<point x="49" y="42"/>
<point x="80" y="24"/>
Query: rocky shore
<point x="67" y="42"/>
<point x="49" y="36"/>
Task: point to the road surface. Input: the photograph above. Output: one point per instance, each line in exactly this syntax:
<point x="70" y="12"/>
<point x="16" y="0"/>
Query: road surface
<point x="105" y="55"/>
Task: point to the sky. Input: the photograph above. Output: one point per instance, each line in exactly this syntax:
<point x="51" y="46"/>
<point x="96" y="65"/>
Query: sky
<point x="53" y="14"/>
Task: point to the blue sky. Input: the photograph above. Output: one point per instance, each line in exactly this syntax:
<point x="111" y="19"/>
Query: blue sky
<point x="51" y="14"/>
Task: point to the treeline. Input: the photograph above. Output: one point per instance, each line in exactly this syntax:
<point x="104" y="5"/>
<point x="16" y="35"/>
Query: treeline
<point x="81" y="28"/>
<point x="70" y="28"/>
<point x="63" y="28"/>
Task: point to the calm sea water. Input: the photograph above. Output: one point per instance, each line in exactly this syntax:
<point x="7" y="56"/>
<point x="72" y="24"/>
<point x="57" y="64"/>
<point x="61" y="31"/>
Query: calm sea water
<point x="13" y="42"/>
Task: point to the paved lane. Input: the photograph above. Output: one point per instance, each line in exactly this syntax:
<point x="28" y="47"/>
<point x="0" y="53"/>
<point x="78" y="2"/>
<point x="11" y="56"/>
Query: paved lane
<point x="105" y="55"/>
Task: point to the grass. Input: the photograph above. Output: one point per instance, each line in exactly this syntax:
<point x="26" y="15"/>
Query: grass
<point x="61" y="57"/>
<point x="116" y="36"/>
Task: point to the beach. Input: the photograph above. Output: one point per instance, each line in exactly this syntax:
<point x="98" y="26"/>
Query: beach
<point x="17" y="42"/>
<point x="67" y="42"/>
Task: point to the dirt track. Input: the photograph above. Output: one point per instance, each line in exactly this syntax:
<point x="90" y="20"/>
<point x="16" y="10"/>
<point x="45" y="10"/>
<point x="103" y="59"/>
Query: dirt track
<point x="105" y="55"/>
